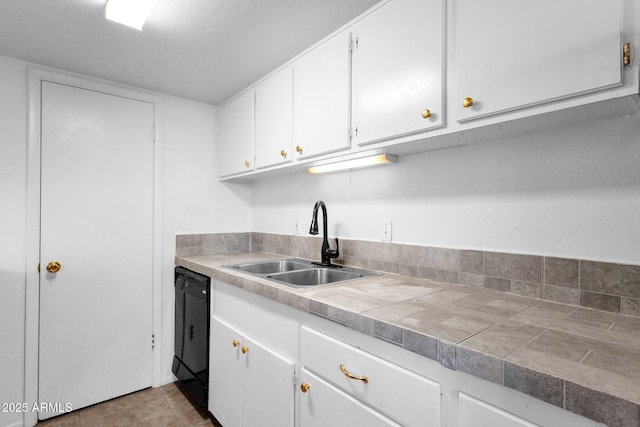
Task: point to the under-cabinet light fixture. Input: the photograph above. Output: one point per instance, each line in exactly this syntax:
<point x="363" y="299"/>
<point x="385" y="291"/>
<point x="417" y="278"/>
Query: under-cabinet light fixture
<point x="359" y="162"/>
<point x="132" y="13"/>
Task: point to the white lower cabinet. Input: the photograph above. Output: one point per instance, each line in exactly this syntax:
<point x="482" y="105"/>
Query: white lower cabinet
<point x="476" y="413"/>
<point x="250" y="384"/>
<point x="271" y="365"/>
<point x="323" y="405"/>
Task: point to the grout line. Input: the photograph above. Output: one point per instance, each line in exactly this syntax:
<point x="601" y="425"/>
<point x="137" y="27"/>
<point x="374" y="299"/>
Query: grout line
<point x="585" y="356"/>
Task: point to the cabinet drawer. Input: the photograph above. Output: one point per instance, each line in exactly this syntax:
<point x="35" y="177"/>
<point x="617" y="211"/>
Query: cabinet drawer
<point x="400" y="394"/>
<point x="476" y="413"/>
<point x="322" y="405"/>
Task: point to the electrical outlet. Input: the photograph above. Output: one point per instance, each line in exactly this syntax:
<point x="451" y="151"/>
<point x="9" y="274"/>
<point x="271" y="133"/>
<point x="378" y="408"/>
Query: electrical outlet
<point x="296" y="227"/>
<point x="385" y="232"/>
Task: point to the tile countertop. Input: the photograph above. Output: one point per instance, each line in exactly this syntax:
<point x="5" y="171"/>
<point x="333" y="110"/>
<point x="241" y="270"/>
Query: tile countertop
<point x="582" y="360"/>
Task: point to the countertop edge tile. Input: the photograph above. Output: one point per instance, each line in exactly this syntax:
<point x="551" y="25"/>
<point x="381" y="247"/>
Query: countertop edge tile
<point x="542" y="386"/>
<point x="602" y="407"/>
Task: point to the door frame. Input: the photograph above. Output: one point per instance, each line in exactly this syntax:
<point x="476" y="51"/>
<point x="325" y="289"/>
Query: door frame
<point x="32" y="293"/>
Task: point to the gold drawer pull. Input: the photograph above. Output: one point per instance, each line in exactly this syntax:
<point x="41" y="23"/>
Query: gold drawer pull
<point x="304" y="387"/>
<point x="426" y="113"/>
<point x="467" y="102"/>
<point x="235" y="343"/>
<point x="348" y="374"/>
<point x="244" y="349"/>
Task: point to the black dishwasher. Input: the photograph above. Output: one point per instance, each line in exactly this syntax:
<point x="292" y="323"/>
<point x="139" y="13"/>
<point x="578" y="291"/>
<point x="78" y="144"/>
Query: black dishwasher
<point x="191" y="360"/>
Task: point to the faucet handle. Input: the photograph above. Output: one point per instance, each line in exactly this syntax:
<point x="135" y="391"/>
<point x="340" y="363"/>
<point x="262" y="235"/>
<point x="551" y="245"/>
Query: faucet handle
<point x="334" y="254"/>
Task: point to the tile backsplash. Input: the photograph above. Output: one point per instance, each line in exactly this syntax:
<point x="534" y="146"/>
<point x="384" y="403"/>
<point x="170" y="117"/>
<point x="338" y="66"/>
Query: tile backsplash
<point x="598" y="285"/>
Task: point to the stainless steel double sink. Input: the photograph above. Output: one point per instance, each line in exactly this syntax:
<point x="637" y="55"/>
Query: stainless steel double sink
<point x="300" y="273"/>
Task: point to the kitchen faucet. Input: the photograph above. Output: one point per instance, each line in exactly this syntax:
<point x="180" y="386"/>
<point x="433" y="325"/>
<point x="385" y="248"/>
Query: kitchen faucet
<point x="326" y="253"/>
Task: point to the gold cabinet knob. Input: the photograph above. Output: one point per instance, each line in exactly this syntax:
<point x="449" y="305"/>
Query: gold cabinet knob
<point x="626" y="54"/>
<point x="426" y="113"/>
<point x="304" y="387"/>
<point x="245" y="349"/>
<point x="467" y="102"/>
<point x="53" y="267"/>
<point x="349" y="375"/>
<point x="246" y="163"/>
<point x="298" y="149"/>
<point x="235" y="343"/>
<point x="283" y="153"/>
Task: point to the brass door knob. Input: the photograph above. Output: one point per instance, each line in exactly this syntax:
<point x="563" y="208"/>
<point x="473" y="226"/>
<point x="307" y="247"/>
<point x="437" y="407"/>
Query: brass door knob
<point x="235" y="343"/>
<point x="298" y="149"/>
<point x="304" y="387"/>
<point x="283" y="153"/>
<point x="426" y="113"/>
<point x="245" y="349"/>
<point x="53" y="267"/>
<point x="246" y="163"/>
<point x="467" y="102"/>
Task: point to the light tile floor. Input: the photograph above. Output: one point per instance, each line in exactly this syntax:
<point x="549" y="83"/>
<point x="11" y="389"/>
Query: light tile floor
<point x="166" y="406"/>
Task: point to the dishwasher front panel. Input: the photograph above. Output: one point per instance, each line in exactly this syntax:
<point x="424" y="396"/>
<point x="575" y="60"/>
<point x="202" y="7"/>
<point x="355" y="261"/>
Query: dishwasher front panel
<point x="192" y="315"/>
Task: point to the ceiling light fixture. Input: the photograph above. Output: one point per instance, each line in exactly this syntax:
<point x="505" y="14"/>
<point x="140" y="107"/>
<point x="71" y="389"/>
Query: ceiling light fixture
<point x="359" y="162"/>
<point x="132" y="13"/>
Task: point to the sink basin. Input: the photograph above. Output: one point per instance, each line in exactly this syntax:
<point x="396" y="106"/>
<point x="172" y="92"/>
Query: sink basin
<point x="300" y="273"/>
<point x="314" y="277"/>
<point x="271" y="267"/>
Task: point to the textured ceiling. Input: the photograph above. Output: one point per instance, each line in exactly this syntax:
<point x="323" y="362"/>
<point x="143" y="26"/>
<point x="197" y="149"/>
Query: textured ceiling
<point x="205" y="50"/>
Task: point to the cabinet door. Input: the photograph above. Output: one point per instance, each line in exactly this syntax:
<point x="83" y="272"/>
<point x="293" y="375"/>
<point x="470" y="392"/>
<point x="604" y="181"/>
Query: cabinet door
<point x="322" y="97"/>
<point x="398" y="70"/>
<point x="235" y="136"/>
<point x="268" y="389"/>
<point x="274" y="119"/>
<point x="514" y="54"/>
<point x="476" y="413"/>
<point x="225" y="374"/>
<point x="323" y="405"/>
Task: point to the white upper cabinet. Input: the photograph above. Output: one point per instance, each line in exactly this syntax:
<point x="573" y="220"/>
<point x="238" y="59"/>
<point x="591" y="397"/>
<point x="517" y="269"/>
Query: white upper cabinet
<point x="515" y="54"/>
<point x="235" y="144"/>
<point x="274" y="119"/>
<point x="398" y="63"/>
<point x="322" y="96"/>
<point x="382" y="80"/>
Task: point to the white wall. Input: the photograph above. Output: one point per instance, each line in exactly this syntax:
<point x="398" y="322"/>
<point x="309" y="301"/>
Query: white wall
<point x="193" y="202"/>
<point x="13" y="191"/>
<point x="570" y="192"/>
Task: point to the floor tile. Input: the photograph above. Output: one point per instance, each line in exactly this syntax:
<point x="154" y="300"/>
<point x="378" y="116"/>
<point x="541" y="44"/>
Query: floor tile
<point x="68" y="420"/>
<point x="166" y="406"/>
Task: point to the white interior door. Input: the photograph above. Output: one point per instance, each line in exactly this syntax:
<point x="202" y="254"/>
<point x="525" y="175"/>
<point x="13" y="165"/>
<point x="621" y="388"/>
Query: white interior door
<point x="97" y="222"/>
